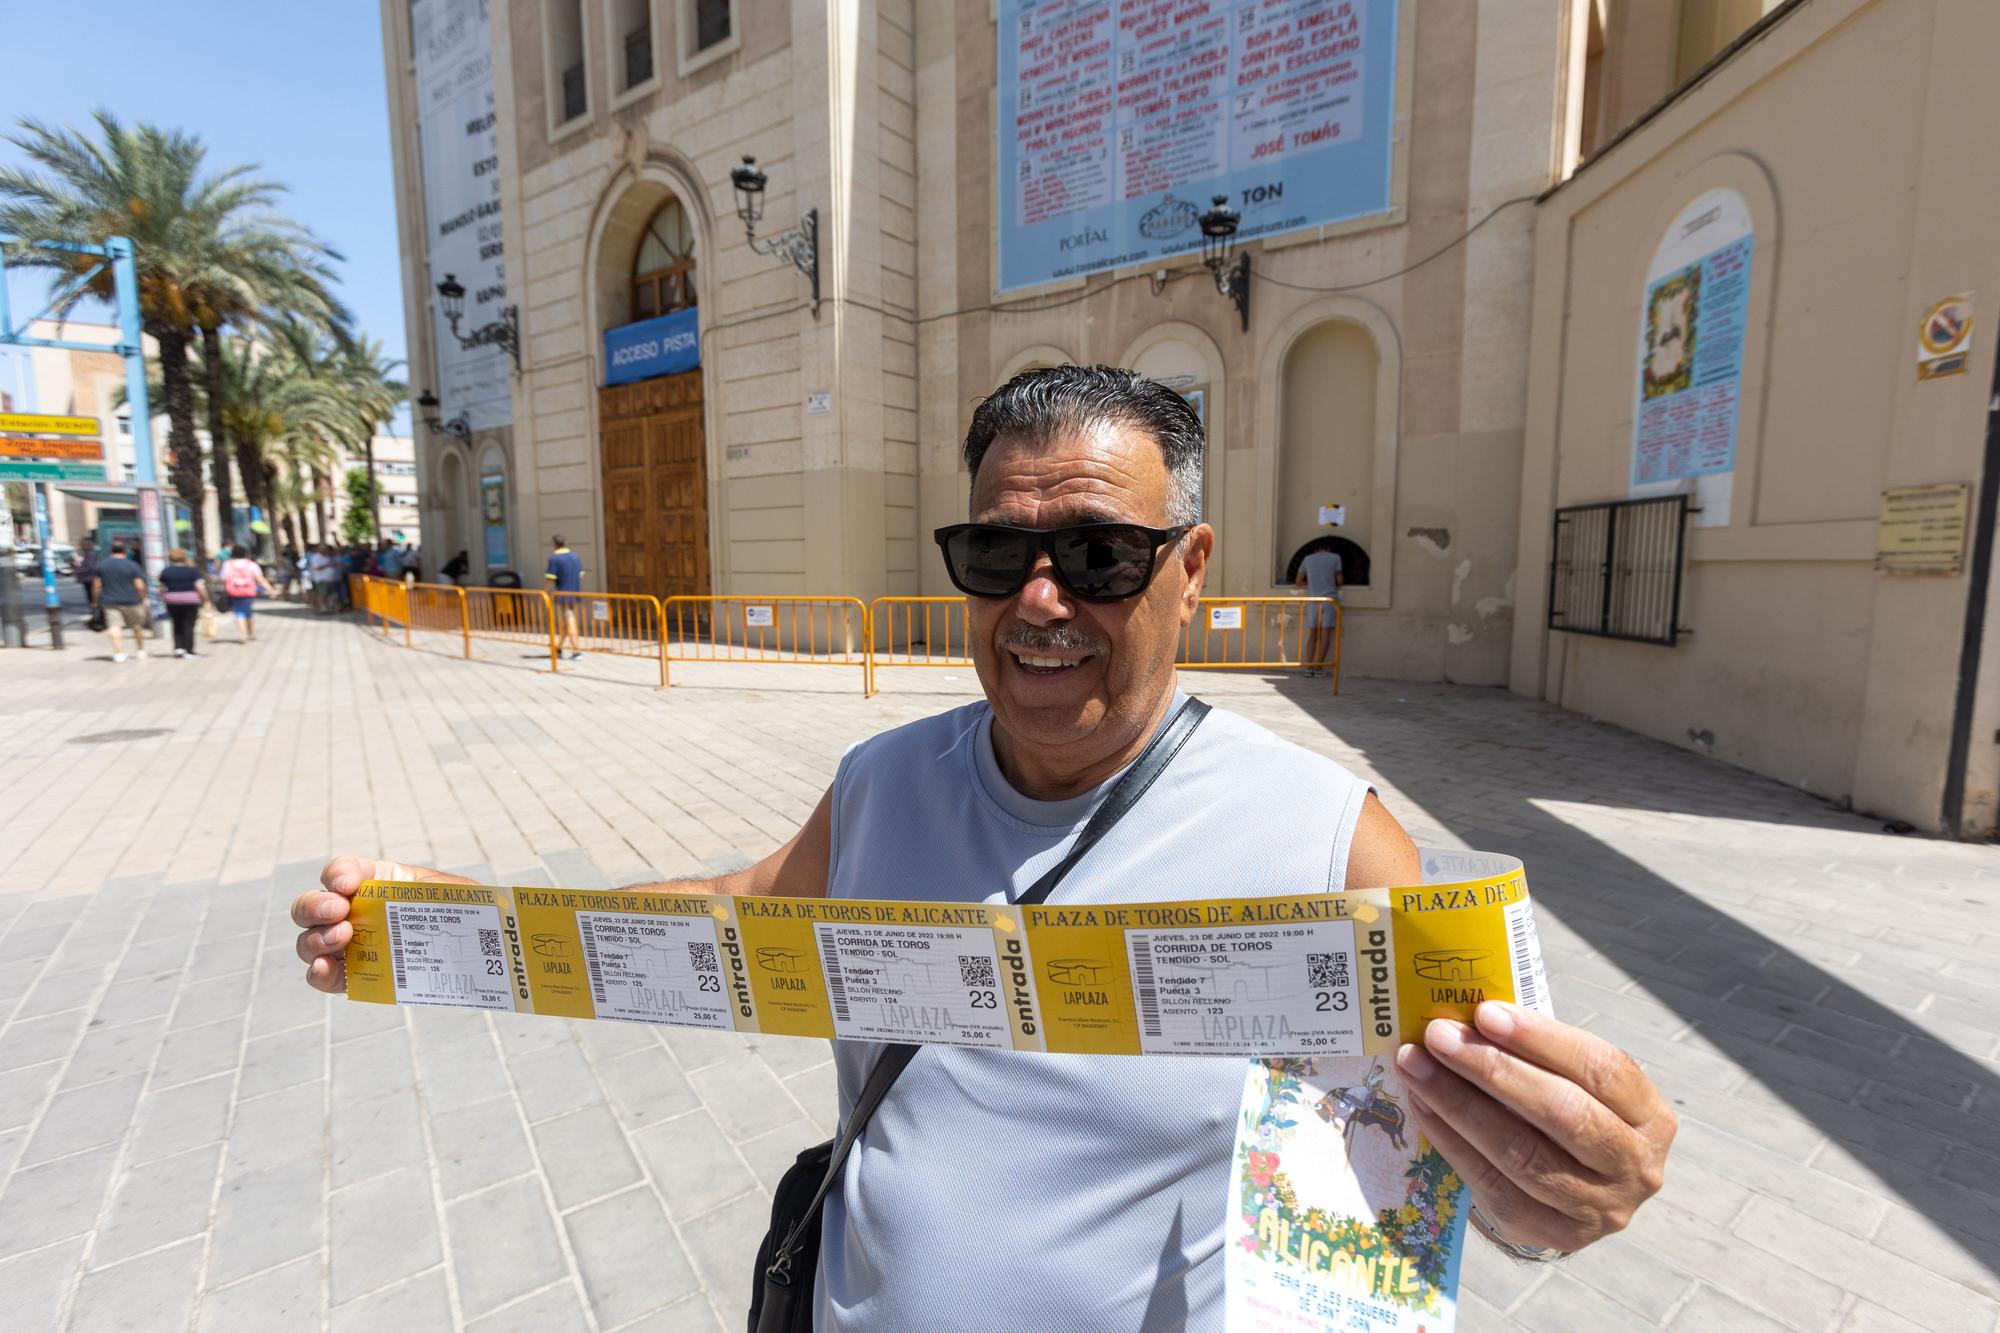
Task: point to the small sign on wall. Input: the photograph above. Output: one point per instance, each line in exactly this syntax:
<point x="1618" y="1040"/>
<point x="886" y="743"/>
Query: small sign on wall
<point x="1923" y="529"/>
<point x="1944" y="339"/>
<point x="1332" y="516"/>
<point x="819" y="402"/>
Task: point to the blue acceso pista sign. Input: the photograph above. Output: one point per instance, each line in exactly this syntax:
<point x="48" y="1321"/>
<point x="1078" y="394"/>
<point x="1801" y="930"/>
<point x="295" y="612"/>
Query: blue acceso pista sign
<point x="667" y="345"/>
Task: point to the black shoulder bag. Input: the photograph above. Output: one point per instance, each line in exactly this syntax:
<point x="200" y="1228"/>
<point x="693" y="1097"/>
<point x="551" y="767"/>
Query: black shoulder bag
<point x="781" y="1288"/>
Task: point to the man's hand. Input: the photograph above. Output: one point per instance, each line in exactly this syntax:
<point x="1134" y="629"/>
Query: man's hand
<point x="322" y="913"/>
<point x="1559" y="1134"/>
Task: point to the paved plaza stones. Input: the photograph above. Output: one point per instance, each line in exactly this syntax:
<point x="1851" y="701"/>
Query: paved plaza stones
<point x="190" y="1138"/>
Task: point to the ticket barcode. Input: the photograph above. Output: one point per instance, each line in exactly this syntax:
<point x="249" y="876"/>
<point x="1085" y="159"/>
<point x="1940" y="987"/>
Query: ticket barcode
<point x="590" y="964"/>
<point x="489" y="944"/>
<point x="975" y="971"/>
<point x="702" y="956"/>
<point x="836" y="985"/>
<point x="1145" y="987"/>
<point x="1524" y="942"/>
<point x="396" y="957"/>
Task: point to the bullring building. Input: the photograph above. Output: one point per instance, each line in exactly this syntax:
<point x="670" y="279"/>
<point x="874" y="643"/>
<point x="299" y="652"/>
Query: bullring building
<point x="1627" y="348"/>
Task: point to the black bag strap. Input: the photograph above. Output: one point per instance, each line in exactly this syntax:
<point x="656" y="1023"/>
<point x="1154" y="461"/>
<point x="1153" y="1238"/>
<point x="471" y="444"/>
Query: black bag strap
<point x="1152" y="762"/>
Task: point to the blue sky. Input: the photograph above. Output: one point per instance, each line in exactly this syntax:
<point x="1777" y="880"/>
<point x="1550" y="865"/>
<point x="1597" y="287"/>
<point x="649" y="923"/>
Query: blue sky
<point x="294" y="87"/>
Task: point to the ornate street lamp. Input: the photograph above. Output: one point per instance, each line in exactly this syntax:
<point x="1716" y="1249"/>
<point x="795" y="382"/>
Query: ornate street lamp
<point x="1218" y="238"/>
<point x="428" y="402"/>
<point x="504" y="332"/>
<point x="800" y="244"/>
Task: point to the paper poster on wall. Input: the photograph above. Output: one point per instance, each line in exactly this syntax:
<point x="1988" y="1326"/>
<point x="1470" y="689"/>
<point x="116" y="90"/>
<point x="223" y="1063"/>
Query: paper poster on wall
<point x="1691" y="328"/>
<point x="493" y="516"/>
<point x="459" y="133"/>
<point x="1119" y="119"/>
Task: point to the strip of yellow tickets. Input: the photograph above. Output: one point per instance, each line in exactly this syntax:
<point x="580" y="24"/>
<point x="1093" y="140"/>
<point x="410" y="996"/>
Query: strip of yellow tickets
<point x="1330" y="974"/>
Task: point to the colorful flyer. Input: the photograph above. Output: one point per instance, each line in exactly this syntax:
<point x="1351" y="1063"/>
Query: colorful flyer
<point x="1342" y="1215"/>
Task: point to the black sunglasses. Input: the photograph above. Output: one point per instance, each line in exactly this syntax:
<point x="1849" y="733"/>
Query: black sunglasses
<point x="1096" y="562"/>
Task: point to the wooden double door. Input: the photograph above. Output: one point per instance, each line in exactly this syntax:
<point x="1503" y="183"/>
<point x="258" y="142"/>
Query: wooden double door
<point x="655" y="487"/>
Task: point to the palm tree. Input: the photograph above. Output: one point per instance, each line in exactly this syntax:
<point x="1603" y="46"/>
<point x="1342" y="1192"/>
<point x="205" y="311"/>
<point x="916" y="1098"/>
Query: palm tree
<point x="147" y="183"/>
<point x="255" y="276"/>
<point x="372" y="394"/>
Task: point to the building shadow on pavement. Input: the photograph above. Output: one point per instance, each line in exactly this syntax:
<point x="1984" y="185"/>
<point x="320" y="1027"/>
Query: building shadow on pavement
<point x="1760" y="967"/>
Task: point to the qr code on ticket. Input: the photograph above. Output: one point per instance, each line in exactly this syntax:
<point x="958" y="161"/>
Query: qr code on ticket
<point x="1328" y="970"/>
<point x="975" y="971"/>
<point x="702" y="956"/>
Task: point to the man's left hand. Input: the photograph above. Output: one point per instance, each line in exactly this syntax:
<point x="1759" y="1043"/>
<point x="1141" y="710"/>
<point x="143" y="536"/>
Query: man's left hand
<point x="1558" y="1133"/>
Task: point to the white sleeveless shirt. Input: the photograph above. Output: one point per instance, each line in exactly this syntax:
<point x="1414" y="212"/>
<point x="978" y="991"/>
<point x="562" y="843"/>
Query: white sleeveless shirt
<point x="1054" y="1192"/>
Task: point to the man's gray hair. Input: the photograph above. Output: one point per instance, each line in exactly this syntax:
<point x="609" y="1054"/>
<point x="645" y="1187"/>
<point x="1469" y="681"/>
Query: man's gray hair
<point x="1041" y="404"/>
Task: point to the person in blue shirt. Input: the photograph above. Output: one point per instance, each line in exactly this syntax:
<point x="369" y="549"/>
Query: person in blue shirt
<point x="565" y="577"/>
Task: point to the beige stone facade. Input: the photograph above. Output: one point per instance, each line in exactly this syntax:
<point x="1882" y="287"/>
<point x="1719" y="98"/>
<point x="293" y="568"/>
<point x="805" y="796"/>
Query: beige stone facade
<point x="1449" y="370"/>
<point x="1804" y="662"/>
<point x="881" y="116"/>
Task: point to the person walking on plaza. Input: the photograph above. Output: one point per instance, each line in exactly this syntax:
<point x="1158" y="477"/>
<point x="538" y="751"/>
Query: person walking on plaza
<point x="1082" y="566"/>
<point x="1321" y="574"/>
<point x="325" y="572"/>
<point x="183" y="589"/>
<point x="288" y="572"/>
<point x="457" y="567"/>
<point x="121" y="592"/>
<point x="565" y="578"/>
<point x="242" y="579"/>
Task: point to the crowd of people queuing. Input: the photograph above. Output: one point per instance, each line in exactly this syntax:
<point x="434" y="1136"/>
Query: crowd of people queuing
<point x="320" y="572"/>
<point x="231" y="581"/>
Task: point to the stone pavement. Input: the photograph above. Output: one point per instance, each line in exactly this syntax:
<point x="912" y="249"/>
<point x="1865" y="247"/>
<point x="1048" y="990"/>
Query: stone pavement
<point x="189" y="1138"/>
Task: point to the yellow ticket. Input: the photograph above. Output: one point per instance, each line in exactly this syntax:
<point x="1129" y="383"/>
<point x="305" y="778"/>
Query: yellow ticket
<point x="1330" y="974"/>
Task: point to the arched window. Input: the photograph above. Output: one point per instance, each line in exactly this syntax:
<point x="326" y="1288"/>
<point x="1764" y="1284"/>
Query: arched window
<point x="1353" y="560"/>
<point x="663" y="274"/>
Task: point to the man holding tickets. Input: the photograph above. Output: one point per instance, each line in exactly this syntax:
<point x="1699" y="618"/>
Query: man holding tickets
<point x="1081" y="566"/>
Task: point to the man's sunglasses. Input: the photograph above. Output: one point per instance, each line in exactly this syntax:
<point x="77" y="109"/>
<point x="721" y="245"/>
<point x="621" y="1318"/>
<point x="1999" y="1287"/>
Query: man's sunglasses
<point x="1095" y="562"/>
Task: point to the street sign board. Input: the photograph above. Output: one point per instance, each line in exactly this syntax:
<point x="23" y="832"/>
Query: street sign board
<point x="17" y="446"/>
<point x="31" y="422"/>
<point x="22" y="469"/>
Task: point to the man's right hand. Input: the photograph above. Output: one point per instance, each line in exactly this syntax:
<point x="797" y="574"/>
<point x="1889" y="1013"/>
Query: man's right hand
<point x="321" y="913"/>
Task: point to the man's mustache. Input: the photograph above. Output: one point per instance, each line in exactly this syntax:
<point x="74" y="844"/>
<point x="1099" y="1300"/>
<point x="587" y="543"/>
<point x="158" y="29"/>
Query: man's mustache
<point x="1056" y="641"/>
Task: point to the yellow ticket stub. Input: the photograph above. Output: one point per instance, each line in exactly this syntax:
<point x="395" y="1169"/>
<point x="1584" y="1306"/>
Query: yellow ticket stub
<point x="1331" y="974"/>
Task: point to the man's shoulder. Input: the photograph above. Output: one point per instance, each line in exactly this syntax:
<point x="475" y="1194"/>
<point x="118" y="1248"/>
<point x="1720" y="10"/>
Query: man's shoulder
<point x="1252" y="753"/>
<point x="924" y="741"/>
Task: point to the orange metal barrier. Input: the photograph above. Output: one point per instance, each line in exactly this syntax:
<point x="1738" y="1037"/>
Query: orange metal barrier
<point x="1260" y="634"/>
<point x="1228" y="633"/>
<point x="511" y="615"/>
<point x="380" y="599"/>
<point x="623" y="624"/>
<point x="802" y="631"/>
<point x="917" y="632"/>
<point x="438" y="608"/>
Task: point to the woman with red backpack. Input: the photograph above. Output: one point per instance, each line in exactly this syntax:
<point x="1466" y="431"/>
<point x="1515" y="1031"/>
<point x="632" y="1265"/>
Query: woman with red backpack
<point x="242" y="578"/>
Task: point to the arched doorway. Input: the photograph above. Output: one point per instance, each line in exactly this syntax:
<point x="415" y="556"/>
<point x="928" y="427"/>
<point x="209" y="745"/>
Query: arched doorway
<point x="655" y="463"/>
<point x="1326" y="445"/>
<point x="451" y="506"/>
